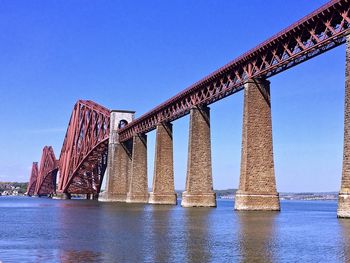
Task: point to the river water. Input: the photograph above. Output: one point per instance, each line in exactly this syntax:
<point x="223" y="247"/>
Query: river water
<point x="46" y="230"/>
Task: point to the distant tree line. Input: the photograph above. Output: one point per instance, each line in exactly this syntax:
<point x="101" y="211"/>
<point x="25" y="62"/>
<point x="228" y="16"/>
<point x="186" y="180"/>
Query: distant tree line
<point x="22" y="187"/>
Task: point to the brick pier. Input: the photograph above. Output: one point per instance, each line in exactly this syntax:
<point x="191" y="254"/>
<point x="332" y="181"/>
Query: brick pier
<point x="344" y="194"/>
<point x="119" y="159"/>
<point x="199" y="183"/>
<point x="120" y="170"/>
<point x="163" y="191"/>
<point x="138" y="185"/>
<point x="257" y="186"/>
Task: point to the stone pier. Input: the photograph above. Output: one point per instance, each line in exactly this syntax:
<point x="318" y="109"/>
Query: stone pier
<point x="199" y="182"/>
<point x="257" y="186"/>
<point x="119" y="159"/>
<point x="138" y="185"/>
<point x="163" y="190"/>
<point x="119" y="172"/>
<point x="344" y="194"/>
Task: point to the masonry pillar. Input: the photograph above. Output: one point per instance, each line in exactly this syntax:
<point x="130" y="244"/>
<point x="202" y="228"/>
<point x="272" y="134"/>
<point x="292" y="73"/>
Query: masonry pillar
<point x="344" y="194"/>
<point x="119" y="159"/>
<point x="163" y="191"/>
<point x="138" y="186"/>
<point x="119" y="172"/>
<point x="199" y="183"/>
<point x="257" y="186"/>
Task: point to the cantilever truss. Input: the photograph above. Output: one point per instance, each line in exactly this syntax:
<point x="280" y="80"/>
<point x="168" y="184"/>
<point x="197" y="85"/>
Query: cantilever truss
<point x="83" y="157"/>
<point x="33" y="178"/>
<point x="316" y="33"/>
<point x="46" y="182"/>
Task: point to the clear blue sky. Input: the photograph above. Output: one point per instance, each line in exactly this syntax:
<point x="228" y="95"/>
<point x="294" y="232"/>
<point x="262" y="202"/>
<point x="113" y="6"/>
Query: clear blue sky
<point x="135" y="54"/>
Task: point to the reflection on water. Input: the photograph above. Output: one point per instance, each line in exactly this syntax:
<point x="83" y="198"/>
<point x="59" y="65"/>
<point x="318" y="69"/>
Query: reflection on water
<point x="345" y="232"/>
<point x="123" y="233"/>
<point x="44" y="230"/>
<point x="161" y="234"/>
<point x="72" y="256"/>
<point x="256" y="236"/>
<point x="79" y="220"/>
<point x="197" y="243"/>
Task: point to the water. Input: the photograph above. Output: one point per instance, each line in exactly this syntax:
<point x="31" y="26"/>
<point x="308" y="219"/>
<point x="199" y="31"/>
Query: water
<point x="45" y="230"/>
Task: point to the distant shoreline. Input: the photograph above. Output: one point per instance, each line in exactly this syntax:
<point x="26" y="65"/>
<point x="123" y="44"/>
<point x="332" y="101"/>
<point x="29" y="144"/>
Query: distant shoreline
<point x="16" y="188"/>
<point x="308" y="196"/>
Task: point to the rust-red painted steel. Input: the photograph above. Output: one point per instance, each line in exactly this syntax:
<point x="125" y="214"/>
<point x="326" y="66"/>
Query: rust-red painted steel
<point x="46" y="182"/>
<point x="33" y="178"/>
<point x="316" y="33"/>
<point x="83" y="157"/>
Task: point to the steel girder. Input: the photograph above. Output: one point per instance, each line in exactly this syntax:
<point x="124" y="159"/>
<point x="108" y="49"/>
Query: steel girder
<point x="46" y="182"/>
<point x="314" y="34"/>
<point x="83" y="157"/>
<point x="33" y="178"/>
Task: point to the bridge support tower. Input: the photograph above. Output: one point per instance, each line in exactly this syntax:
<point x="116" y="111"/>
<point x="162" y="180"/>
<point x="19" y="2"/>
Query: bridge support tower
<point x="163" y="190"/>
<point x="344" y="194"/>
<point x="138" y="185"/>
<point x="199" y="182"/>
<point x="119" y="159"/>
<point x="257" y="186"/>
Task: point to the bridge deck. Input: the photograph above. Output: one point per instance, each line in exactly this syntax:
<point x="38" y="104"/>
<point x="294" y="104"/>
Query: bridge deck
<point x="312" y="35"/>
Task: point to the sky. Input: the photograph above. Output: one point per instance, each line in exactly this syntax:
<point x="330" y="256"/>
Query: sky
<point x="133" y="55"/>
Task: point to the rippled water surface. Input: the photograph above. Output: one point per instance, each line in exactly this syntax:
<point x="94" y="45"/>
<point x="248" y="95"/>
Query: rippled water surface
<point x="45" y="230"/>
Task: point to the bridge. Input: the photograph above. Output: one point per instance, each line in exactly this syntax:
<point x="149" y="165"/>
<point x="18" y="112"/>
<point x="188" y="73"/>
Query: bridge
<point x="43" y="180"/>
<point x="113" y="144"/>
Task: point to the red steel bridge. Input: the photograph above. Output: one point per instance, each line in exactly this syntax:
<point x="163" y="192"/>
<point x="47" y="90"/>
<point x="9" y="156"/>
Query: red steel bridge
<point x="83" y="157"/>
<point x="43" y="180"/>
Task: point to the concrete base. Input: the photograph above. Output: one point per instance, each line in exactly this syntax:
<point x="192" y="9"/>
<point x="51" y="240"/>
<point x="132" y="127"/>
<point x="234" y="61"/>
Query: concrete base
<point x="136" y="198"/>
<point x="198" y="200"/>
<point x="343" y="205"/>
<point x="162" y="199"/>
<point x="64" y="196"/>
<point x="112" y="198"/>
<point x="262" y="202"/>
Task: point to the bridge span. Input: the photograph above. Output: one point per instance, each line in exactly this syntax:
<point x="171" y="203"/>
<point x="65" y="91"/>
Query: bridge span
<point x="112" y="144"/>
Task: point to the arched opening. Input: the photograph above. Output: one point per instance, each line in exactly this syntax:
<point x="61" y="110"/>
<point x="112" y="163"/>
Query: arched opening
<point x="122" y="124"/>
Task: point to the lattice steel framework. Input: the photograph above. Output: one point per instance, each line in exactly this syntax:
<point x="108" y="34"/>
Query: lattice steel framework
<point x="46" y="182"/>
<point x="83" y="157"/>
<point x="316" y="33"/>
<point x="33" y="178"/>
